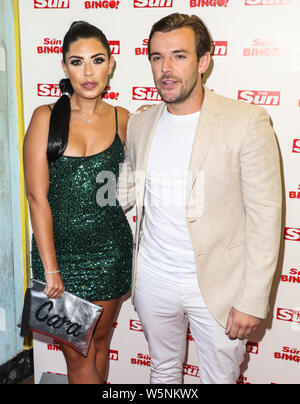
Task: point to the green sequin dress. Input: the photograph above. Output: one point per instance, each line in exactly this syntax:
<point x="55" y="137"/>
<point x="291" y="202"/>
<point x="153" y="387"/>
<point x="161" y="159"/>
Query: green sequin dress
<point x="93" y="244"/>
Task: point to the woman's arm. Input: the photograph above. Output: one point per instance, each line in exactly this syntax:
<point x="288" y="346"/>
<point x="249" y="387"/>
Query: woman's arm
<point x="37" y="185"/>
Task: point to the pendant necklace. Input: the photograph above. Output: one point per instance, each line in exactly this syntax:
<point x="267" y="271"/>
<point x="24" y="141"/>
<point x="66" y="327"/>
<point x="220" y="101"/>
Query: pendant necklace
<point x="89" y="121"/>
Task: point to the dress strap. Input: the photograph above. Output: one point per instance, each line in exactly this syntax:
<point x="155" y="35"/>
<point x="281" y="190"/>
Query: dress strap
<point x="117" y="125"/>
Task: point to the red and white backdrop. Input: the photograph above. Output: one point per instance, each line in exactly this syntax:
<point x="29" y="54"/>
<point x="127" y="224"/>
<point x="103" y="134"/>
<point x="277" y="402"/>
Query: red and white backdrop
<point x="256" y="60"/>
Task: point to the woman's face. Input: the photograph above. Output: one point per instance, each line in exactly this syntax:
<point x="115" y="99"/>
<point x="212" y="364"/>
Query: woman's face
<point x="88" y="67"/>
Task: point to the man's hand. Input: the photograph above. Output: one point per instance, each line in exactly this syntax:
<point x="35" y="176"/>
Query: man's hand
<point x="143" y="108"/>
<point x="240" y="325"/>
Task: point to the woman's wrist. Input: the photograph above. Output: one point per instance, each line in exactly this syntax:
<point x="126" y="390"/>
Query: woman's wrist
<point x="51" y="272"/>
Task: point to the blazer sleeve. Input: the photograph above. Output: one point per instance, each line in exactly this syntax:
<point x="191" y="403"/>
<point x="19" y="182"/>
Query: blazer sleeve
<point x="126" y="183"/>
<point x="262" y="198"/>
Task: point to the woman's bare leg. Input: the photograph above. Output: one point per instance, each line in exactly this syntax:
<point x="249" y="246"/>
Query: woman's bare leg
<point x="102" y="335"/>
<point x="93" y="368"/>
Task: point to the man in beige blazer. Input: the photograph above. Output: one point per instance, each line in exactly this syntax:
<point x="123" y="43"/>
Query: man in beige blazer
<point x="210" y="261"/>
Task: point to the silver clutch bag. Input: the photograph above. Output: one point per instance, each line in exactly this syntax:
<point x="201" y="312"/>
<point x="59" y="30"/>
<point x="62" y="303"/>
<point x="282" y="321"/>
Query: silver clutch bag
<point x="69" y="319"/>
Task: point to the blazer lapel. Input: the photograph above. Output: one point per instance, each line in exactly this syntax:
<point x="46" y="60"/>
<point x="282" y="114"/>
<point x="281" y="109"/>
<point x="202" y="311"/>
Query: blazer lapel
<point x="144" y="149"/>
<point x="206" y="132"/>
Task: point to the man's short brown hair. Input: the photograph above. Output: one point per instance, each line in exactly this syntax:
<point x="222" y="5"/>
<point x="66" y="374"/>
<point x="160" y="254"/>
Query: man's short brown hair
<point x="177" y="21"/>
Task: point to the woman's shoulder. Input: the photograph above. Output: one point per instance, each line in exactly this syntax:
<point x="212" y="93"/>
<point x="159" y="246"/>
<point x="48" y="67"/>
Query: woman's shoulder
<point x="123" y="114"/>
<point x="122" y="110"/>
<point x="39" y="121"/>
<point x="123" y="117"/>
<point x="43" y="111"/>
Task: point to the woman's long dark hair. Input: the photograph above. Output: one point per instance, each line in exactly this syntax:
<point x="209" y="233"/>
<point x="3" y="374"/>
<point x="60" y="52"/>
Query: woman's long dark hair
<point x="60" y="118"/>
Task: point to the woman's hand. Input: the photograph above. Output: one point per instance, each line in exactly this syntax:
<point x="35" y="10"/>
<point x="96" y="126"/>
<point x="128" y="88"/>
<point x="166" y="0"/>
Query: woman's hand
<point x="55" y="286"/>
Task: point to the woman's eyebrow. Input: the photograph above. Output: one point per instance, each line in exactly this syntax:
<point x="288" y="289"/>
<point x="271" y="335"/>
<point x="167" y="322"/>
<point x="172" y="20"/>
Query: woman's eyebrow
<point x="92" y="57"/>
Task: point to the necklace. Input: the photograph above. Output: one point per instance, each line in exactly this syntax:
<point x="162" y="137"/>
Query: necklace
<point x="89" y="121"/>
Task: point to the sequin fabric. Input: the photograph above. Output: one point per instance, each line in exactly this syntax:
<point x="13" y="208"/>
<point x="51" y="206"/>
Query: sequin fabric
<point x="93" y="243"/>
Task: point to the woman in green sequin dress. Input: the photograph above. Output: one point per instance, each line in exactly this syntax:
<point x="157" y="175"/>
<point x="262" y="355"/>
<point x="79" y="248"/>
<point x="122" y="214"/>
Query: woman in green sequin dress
<point x="82" y="240"/>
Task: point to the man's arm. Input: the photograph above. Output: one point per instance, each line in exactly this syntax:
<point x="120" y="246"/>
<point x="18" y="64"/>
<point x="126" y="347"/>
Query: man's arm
<point x="262" y="198"/>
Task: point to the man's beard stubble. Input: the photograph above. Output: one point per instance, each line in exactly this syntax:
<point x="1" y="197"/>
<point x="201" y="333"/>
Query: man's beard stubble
<point x="184" y="94"/>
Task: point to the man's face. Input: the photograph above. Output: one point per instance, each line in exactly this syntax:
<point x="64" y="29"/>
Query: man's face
<point x="175" y="66"/>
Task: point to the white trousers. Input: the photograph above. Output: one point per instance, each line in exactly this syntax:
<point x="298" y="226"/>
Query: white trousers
<point x="165" y="308"/>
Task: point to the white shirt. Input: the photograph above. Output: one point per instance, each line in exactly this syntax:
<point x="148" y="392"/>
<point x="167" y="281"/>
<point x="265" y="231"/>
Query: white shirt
<point x="165" y="247"/>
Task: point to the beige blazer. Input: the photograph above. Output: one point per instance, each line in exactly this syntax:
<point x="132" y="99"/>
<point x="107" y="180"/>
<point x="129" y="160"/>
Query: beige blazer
<point x="233" y="210"/>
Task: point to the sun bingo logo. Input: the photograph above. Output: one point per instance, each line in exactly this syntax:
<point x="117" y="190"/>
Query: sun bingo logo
<point x="113" y="355"/>
<point x="295" y="194"/>
<point x="141" y="360"/>
<point x="270" y="98"/>
<point x="48" y="90"/>
<point x="252" y="348"/>
<point x="143" y="49"/>
<point x="243" y="380"/>
<point x="289" y="315"/>
<point x="102" y="4"/>
<point x="266" y="2"/>
<point x="292" y="234"/>
<point x="152" y="3"/>
<point x="114" y="47"/>
<point x="108" y="94"/>
<point x="262" y="47"/>
<point x="50" y="46"/>
<point x="288" y="354"/>
<point x="293" y="277"/>
<point x="208" y="3"/>
<point x="190" y="370"/>
<point x="135" y="325"/>
<point x="220" y="48"/>
<point x="145" y="94"/>
<point x="54" y="347"/>
<point x="51" y="4"/>
<point x="296" y="146"/>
